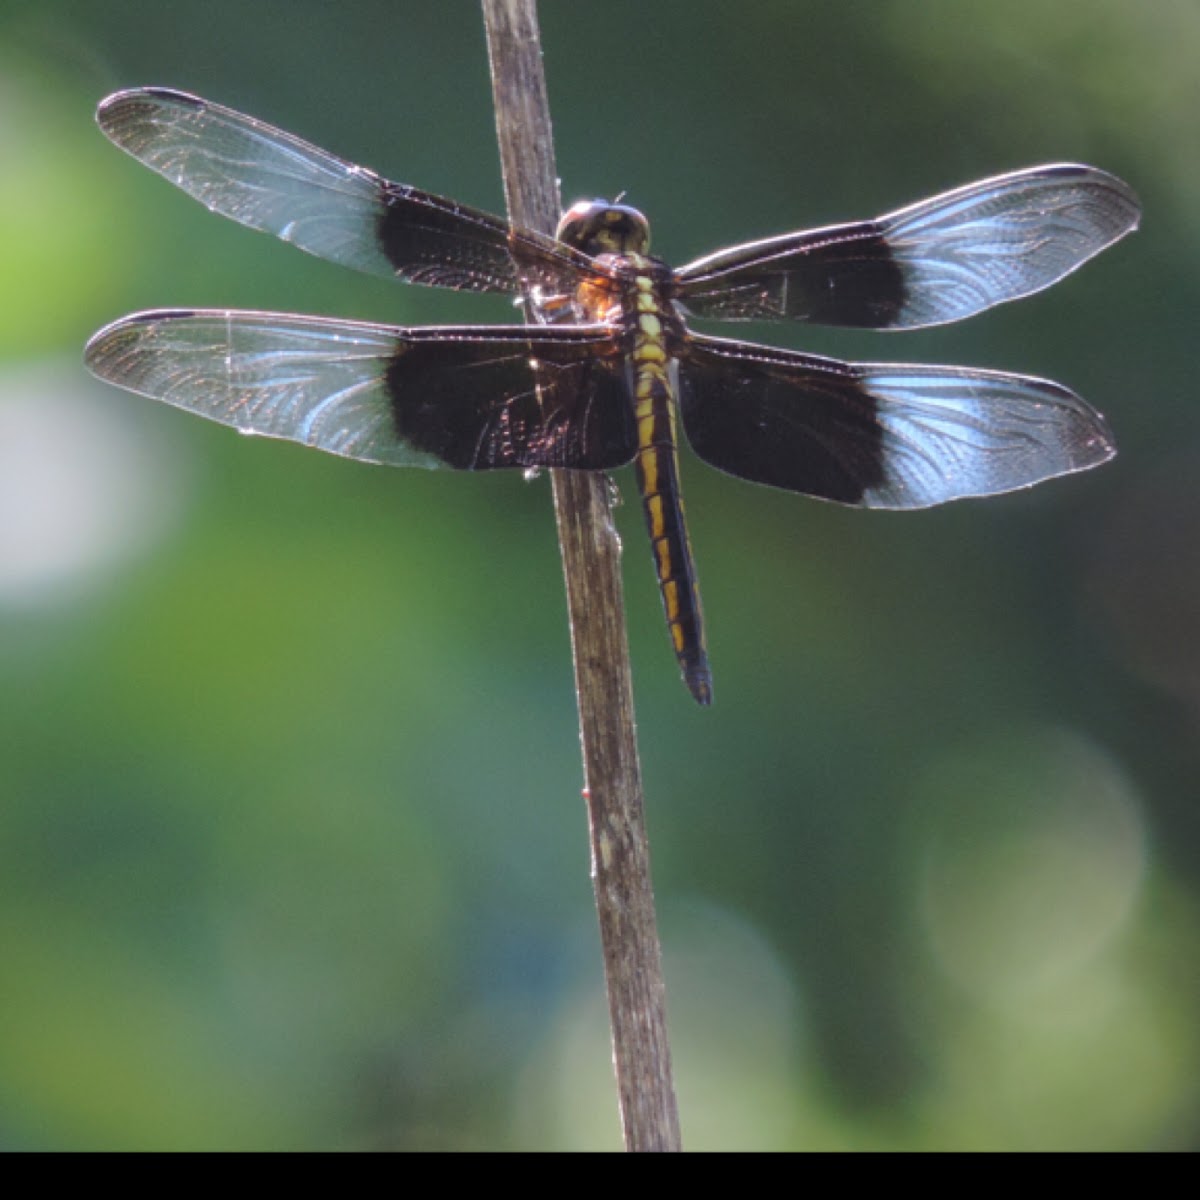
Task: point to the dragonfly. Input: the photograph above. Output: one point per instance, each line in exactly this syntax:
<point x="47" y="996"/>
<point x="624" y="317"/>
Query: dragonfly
<point x="608" y="368"/>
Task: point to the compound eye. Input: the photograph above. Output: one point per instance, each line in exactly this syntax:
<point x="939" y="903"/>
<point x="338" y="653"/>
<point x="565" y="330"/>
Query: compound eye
<point x="599" y="227"/>
<point x="577" y="225"/>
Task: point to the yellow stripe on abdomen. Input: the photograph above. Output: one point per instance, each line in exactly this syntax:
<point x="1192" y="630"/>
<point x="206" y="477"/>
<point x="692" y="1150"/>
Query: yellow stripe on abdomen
<point x="657" y="467"/>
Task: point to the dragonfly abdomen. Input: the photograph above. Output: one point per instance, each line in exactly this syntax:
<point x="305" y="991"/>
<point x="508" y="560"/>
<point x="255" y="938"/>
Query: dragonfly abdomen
<point x="657" y="466"/>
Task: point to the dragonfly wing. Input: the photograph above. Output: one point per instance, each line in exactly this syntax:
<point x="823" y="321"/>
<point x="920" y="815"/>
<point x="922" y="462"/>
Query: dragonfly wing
<point x="471" y="397"/>
<point x="880" y="435"/>
<point x="941" y="260"/>
<point x="273" y="181"/>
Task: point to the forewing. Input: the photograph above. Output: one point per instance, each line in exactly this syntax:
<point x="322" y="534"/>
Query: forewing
<point x="270" y="180"/>
<point x="937" y="261"/>
<point x="880" y="435"/>
<point x="473" y="398"/>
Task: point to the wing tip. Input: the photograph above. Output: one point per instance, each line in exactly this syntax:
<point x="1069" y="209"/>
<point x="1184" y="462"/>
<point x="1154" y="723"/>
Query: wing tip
<point x="1098" y="446"/>
<point x="1123" y="198"/>
<point x="119" y="107"/>
<point x="112" y="343"/>
<point x="1087" y="439"/>
<point x="105" y="345"/>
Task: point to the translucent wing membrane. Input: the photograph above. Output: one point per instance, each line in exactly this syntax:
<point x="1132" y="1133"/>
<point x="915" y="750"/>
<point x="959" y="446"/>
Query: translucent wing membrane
<point x="1004" y="238"/>
<point x="940" y="260"/>
<point x="270" y="180"/>
<point x="474" y="398"/>
<point x="879" y="435"/>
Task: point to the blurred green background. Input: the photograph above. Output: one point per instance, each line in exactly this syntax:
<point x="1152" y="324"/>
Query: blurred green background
<point x="292" y="853"/>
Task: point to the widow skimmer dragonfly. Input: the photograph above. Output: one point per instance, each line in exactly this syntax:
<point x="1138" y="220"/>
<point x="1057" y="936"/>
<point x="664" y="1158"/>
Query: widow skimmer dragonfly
<point x="598" y="382"/>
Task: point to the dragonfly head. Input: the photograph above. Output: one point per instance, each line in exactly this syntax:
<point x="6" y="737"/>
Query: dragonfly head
<point x="604" y="227"/>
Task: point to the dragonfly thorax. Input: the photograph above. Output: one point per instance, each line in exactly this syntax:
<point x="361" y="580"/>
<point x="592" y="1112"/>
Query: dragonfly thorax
<point x="602" y="227"/>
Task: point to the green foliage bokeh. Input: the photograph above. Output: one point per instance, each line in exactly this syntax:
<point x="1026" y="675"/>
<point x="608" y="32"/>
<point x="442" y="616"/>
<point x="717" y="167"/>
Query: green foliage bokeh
<point x="292" y="853"/>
